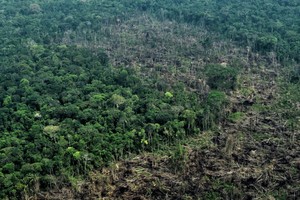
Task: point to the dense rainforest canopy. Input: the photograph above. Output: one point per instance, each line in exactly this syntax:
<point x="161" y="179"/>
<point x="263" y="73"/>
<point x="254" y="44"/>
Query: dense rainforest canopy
<point x="86" y="82"/>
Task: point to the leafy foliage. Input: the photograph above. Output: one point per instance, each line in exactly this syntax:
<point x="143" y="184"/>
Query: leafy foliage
<point x="74" y="115"/>
<point x="221" y="77"/>
<point x="65" y="110"/>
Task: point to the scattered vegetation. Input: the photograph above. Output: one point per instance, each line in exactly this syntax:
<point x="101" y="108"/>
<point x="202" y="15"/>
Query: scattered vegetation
<point x="85" y="83"/>
<point x="237" y="116"/>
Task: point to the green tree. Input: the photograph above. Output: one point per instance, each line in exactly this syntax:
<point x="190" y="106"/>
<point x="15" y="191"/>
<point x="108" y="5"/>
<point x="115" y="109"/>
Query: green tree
<point x="220" y="77"/>
<point x="190" y="117"/>
<point x="117" y="100"/>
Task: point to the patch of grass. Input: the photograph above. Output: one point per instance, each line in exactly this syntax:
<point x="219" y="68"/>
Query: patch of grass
<point x="260" y="136"/>
<point x="280" y="194"/>
<point x="187" y="197"/>
<point x="240" y="136"/>
<point x="246" y="91"/>
<point x="236" y="117"/>
<point x="201" y="141"/>
<point x="179" y="157"/>
<point x="260" y="107"/>
<point x="212" y="196"/>
<point x="228" y="187"/>
<point x="217" y="187"/>
<point x="294" y="172"/>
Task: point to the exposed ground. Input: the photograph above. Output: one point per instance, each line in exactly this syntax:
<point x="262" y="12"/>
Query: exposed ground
<point x="253" y="155"/>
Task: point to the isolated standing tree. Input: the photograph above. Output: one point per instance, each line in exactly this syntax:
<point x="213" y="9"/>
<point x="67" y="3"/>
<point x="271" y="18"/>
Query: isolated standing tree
<point x="117" y="100"/>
